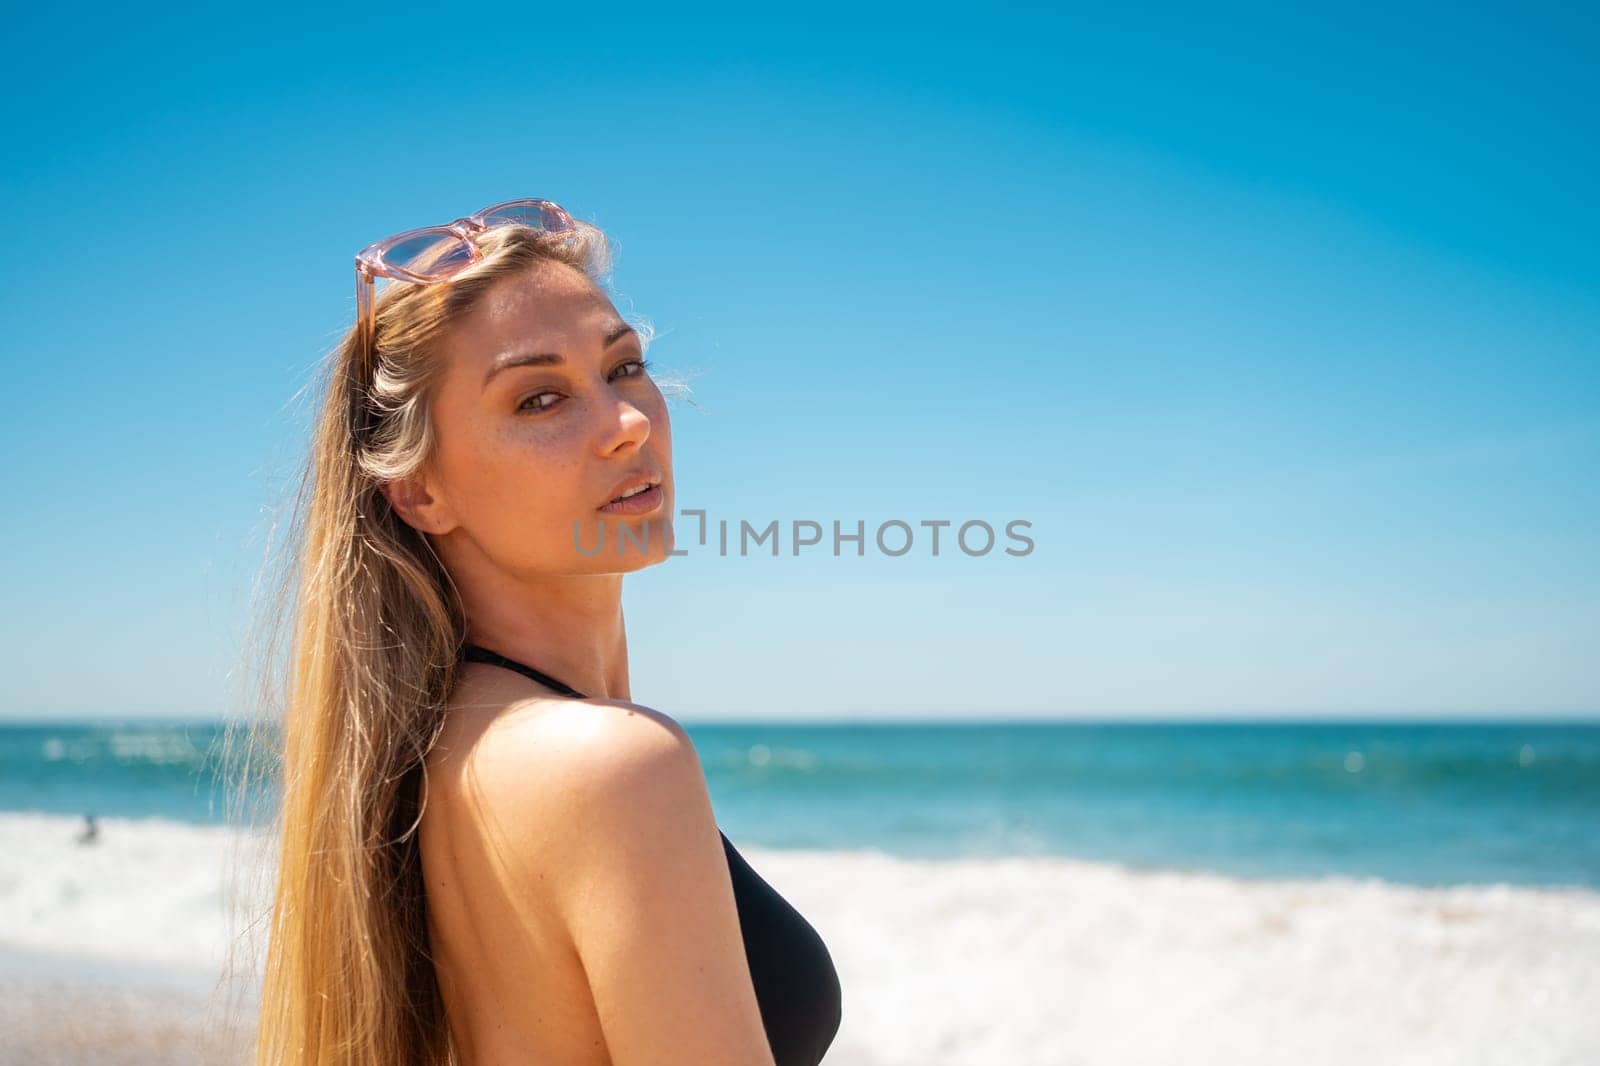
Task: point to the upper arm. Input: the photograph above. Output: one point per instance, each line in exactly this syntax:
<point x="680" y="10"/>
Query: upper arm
<point x="635" y="869"/>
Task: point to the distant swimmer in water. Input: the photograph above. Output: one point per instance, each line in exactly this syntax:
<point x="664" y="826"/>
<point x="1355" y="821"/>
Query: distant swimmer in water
<point x="90" y="832"/>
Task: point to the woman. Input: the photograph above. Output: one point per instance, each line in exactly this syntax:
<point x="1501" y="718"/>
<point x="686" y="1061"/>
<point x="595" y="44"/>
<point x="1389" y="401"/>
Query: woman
<point x="490" y="854"/>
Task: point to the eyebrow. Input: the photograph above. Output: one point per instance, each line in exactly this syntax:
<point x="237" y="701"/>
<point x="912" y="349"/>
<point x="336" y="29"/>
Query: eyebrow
<point x="507" y="360"/>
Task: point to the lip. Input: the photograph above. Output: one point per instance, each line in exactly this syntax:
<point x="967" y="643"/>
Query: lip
<point x="640" y="503"/>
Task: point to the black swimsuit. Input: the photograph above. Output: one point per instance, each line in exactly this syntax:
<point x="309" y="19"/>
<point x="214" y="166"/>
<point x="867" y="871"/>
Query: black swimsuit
<point x="794" y="978"/>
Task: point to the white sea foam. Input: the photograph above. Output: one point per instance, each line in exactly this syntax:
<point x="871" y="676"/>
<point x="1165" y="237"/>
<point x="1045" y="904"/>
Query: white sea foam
<point x="1010" y="962"/>
<point x="146" y="892"/>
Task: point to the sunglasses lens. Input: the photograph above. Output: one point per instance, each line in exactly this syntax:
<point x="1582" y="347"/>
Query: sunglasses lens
<point x="540" y="216"/>
<point x="431" y="255"/>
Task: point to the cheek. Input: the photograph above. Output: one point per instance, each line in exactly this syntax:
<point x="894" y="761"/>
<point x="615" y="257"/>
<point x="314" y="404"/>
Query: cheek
<point x="660" y="420"/>
<point x="509" y="477"/>
<point x="535" y="469"/>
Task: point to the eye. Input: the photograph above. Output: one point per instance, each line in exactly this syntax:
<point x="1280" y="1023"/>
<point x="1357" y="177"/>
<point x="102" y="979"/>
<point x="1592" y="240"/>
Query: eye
<point x="537" y="402"/>
<point x="532" y="404"/>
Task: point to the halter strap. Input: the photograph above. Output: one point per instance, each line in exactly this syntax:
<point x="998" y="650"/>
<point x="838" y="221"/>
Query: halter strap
<point x="476" y="653"/>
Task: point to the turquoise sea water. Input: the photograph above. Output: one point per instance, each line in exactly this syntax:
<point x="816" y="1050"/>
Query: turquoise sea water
<point x="1426" y="804"/>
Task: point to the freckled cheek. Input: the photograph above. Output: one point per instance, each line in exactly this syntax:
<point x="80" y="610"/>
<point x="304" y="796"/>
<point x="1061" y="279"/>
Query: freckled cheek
<point x="534" y="473"/>
<point x="530" y="446"/>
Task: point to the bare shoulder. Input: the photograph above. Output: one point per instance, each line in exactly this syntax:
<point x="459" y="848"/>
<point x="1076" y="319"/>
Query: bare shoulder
<point x="493" y="721"/>
<point x="556" y="773"/>
<point x="577" y="740"/>
<point x="600" y="813"/>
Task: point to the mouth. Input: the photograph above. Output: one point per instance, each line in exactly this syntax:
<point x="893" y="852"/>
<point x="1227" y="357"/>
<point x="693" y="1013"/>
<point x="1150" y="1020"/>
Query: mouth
<point x="641" y="498"/>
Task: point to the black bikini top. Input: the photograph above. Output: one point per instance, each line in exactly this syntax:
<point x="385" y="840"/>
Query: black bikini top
<point x="793" y="973"/>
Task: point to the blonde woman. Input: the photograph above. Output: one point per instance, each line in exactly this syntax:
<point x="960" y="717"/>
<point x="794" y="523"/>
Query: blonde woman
<point x="490" y="854"/>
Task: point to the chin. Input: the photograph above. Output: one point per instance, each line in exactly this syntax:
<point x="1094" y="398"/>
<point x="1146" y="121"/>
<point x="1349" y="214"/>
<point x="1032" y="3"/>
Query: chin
<point x="628" y="543"/>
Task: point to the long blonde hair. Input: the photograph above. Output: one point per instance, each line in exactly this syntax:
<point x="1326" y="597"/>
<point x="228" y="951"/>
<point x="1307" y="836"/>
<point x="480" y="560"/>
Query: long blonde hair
<point x="374" y="626"/>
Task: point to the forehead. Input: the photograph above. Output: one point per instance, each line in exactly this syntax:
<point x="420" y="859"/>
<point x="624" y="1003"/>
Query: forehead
<point x="549" y="307"/>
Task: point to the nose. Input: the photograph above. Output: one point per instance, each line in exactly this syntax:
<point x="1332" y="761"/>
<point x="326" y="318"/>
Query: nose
<point x="625" y="426"/>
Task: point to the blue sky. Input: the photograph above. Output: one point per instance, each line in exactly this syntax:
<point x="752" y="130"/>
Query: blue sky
<point x="1280" y="329"/>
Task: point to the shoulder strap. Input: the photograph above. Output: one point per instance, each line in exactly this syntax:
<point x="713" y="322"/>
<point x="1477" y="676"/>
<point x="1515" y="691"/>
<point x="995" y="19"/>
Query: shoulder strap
<point x="477" y="654"/>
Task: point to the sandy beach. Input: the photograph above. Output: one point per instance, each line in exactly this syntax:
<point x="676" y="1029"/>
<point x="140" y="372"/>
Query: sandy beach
<point x="88" y="1012"/>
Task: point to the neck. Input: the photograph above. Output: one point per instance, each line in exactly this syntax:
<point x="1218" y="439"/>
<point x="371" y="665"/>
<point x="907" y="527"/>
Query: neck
<point x="569" y="627"/>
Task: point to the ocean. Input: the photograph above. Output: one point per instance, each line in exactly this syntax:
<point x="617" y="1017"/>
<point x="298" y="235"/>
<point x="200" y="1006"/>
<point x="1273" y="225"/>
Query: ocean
<point x="1421" y="804"/>
<point x="1013" y="893"/>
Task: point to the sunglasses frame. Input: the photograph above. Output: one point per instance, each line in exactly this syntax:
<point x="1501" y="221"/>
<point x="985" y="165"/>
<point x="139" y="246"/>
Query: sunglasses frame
<point x="371" y="264"/>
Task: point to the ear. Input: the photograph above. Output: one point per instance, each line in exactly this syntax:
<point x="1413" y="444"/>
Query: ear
<point x="418" y="505"/>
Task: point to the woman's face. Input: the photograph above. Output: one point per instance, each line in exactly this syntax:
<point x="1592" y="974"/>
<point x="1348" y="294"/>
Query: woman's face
<point x="543" y="415"/>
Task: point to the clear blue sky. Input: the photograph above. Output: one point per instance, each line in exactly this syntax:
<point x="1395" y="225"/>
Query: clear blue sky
<point x="1280" y="329"/>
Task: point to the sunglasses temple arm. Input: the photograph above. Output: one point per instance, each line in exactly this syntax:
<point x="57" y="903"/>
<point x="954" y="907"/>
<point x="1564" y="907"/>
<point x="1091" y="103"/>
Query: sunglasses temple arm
<point x="364" y="298"/>
<point x="359" y="368"/>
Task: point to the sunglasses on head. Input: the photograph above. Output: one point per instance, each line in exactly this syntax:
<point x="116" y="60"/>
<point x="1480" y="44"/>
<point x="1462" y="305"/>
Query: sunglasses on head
<point x="433" y="254"/>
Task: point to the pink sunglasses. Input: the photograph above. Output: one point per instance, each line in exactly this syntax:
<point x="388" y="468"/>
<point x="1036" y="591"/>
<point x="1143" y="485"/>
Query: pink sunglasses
<point x="433" y="254"/>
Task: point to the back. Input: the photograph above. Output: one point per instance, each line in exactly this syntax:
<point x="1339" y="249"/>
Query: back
<point x="581" y="905"/>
